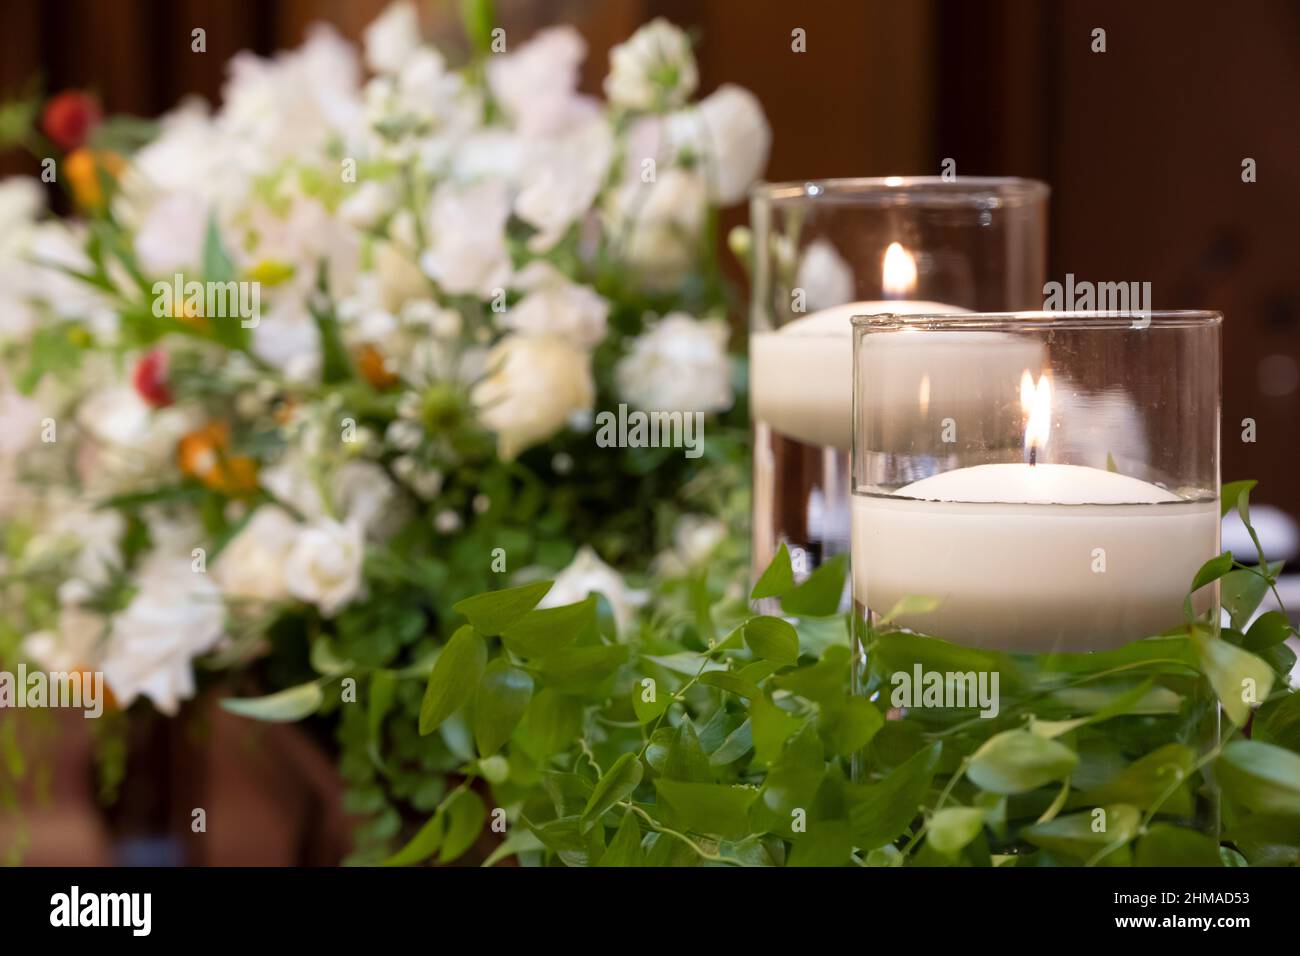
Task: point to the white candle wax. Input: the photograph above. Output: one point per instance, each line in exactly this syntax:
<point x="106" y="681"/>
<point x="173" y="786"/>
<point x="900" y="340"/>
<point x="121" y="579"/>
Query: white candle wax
<point x="801" y="375"/>
<point x="1033" y="558"/>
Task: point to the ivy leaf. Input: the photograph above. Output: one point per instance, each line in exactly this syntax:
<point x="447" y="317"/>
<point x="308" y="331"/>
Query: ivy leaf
<point x="1260" y="776"/>
<point x="293" y="703"/>
<point x="851" y="726"/>
<point x="795" y="776"/>
<point x="625" y="848"/>
<point x="1230" y="492"/>
<point x="565" y="840"/>
<point x="455" y="674"/>
<point x="773" y="639"/>
<point x="880" y="812"/>
<point x="771" y="727"/>
<point x="1166" y="845"/>
<point x="465" y="816"/>
<point x="544" y="630"/>
<point x="1269" y="629"/>
<point x="829" y="843"/>
<point x="729" y="681"/>
<point x="1147" y="780"/>
<point x="550" y="723"/>
<point x="582" y="669"/>
<point x="1243" y="590"/>
<point x="503" y="695"/>
<point x="778" y="578"/>
<point x="686" y="759"/>
<point x="494" y="611"/>
<point x="1212" y="570"/>
<point x="1016" y="761"/>
<point x="617" y="783"/>
<point x="712" y="808"/>
<point x="827" y="680"/>
<point x="820" y="595"/>
<point x="952" y="828"/>
<point x="1278" y="722"/>
<point x="1238" y="677"/>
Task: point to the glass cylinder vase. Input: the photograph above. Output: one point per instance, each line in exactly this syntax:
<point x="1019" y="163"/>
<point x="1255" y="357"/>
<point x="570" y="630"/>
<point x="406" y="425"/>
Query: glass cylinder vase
<point x="1025" y="541"/>
<point x="825" y="251"/>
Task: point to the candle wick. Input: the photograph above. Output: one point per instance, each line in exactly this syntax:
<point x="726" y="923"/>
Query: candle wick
<point x="1033" y="455"/>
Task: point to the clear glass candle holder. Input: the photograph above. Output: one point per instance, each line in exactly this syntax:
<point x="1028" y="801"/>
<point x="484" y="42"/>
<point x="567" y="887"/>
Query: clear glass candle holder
<point x="826" y="251"/>
<point x="1039" y="527"/>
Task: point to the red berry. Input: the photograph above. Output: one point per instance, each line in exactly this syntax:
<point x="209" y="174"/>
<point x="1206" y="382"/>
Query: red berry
<point x="69" y="119"/>
<point x="150" y="379"/>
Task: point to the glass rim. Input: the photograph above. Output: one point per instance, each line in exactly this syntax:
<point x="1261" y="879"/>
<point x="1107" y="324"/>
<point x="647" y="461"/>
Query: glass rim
<point x="1001" y="191"/>
<point x="1036" y="321"/>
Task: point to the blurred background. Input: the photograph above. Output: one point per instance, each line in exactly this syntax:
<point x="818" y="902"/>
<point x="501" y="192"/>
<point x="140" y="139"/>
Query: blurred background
<point x="1142" y="145"/>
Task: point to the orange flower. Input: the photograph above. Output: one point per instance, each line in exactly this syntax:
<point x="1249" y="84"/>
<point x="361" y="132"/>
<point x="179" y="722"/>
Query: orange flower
<point x="83" y="167"/>
<point x="374" y="367"/>
<point x="202" y="454"/>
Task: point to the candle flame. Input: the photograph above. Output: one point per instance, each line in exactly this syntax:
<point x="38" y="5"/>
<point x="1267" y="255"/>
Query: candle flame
<point x="1036" y="401"/>
<point x="899" y="272"/>
<point x="923" y="396"/>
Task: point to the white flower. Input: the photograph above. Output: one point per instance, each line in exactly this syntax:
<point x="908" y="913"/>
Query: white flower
<point x="680" y="364"/>
<point x="695" y="538"/>
<point x="129" y="441"/>
<point x="324" y="565"/>
<point x="536" y="383"/>
<point x="561" y="179"/>
<point x="537" y="84"/>
<point x="369" y="202"/>
<point x="392" y="38"/>
<point x="824" y="276"/>
<point x="73" y="646"/>
<point x="170" y="237"/>
<point x="252" y="565"/>
<point x="587" y="575"/>
<point x="365" y="496"/>
<point x="656" y="226"/>
<point x="652" y="69"/>
<point x="176" y="615"/>
<point x="729" y="133"/>
<point x="556" y="306"/>
<point x="467" y="252"/>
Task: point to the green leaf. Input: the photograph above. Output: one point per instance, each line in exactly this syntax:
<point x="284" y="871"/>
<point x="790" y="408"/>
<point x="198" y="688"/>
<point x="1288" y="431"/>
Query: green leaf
<point x="544" y="630"/>
<point x="771" y="727"/>
<point x="1166" y="845"/>
<point x="503" y="695"/>
<point x="826" y="680"/>
<point x="549" y="725"/>
<point x="795" y="776"/>
<point x="851" y="726"/>
<point x="820" y="595"/>
<point x="383" y="689"/>
<point x="1238" y="677"/>
<point x="217" y="264"/>
<point x="494" y="611"/>
<point x="827" y="843"/>
<point x="952" y="828"/>
<point x="773" y="639"/>
<point x="455" y="674"/>
<point x="731" y="682"/>
<point x="910" y="604"/>
<point x="778" y="579"/>
<point x="648" y="711"/>
<point x="1230" y="492"/>
<point x="880" y="812"/>
<point x="479" y="19"/>
<point x="712" y="808"/>
<point x="565" y="840"/>
<point x="737" y="743"/>
<point x="617" y="783"/>
<point x="1016" y="761"/>
<point x="625" y="848"/>
<point x="1147" y="780"/>
<point x="1212" y="570"/>
<point x="686" y="759"/>
<point x="291" y="704"/>
<point x="1243" y="590"/>
<point x="423" y="845"/>
<point x="1269" y="629"/>
<point x="1278" y="722"/>
<point x="465" y="816"/>
<point x="582" y="669"/>
<point x="1261" y="777"/>
<point x="1084" y="835"/>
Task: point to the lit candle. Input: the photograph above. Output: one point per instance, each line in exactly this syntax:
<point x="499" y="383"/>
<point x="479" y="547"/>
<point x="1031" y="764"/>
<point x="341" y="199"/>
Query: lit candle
<point x="801" y="376"/>
<point x="1033" y="556"/>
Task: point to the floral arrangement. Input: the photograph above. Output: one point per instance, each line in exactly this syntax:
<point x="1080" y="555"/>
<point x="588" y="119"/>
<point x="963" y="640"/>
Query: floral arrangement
<point x="301" y="372"/>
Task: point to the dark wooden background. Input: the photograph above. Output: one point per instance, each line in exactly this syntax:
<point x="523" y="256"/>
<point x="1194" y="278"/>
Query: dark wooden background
<point x="1142" y="144"/>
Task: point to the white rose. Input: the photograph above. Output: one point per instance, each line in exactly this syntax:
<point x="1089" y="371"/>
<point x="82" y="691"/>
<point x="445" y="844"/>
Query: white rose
<point x="366" y="497"/>
<point x="369" y="202"/>
<point x="324" y="565"/>
<point x="653" y="69"/>
<point x="74" y="645"/>
<point x="391" y="38"/>
<point x="656" y="226"/>
<point x="587" y="575"/>
<point x="467" y="254"/>
<point x="729" y="132"/>
<point x="680" y="364"/>
<point x="251" y="566"/>
<point x="561" y="180"/>
<point x="535" y="384"/>
<point x="556" y="306"/>
<point x="175" y="616"/>
<point x="537" y="84"/>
